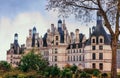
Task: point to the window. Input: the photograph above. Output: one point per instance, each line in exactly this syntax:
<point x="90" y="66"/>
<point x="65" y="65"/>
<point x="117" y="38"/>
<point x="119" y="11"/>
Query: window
<point x="56" y="50"/>
<point x="101" y="40"/>
<point x="73" y="58"/>
<point x="93" y="47"/>
<point x="100" y="47"/>
<point x="80" y="58"/>
<point x="93" y="65"/>
<point x="56" y="43"/>
<point x="68" y="58"/>
<point x="100" y="56"/>
<point x="93" y="56"/>
<point x="55" y="58"/>
<point x="101" y="66"/>
<point x="93" y="40"/>
<point x="76" y="58"/>
<point x="68" y="51"/>
<point x="74" y="51"/>
<point x="80" y="51"/>
<point x="83" y="57"/>
<point x="56" y="37"/>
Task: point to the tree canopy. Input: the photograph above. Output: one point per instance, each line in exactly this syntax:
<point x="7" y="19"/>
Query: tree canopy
<point x="32" y="61"/>
<point x="5" y="66"/>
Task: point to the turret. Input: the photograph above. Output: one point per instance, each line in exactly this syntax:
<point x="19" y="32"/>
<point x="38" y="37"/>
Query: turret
<point x="16" y="45"/>
<point x="16" y="39"/>
<point x="99" y="19"/>
<point x="77" y="35"/>
<point x="33" y="37"/>
<point x="59" y="24"/>
<point x="34" y="30"/>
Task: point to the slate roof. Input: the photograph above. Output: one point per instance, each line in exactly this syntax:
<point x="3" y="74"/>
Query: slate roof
<point x="99" y="31"/>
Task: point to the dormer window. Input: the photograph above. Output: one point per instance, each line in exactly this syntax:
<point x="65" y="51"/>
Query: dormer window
<point x="101" y="39"/>
<point x="93" y="40"/>
<point x="56" y="37"/>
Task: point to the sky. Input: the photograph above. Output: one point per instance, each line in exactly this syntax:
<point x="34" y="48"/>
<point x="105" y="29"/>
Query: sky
<point x="18" y="16"/>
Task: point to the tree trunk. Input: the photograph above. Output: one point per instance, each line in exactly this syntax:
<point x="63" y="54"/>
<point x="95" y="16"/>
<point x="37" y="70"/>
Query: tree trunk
<point x="114" y="41"/>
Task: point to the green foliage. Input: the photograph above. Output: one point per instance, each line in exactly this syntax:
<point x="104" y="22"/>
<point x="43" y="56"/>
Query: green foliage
<point x="96" y="73"/>
<point x="4" y="66"/>
<point x="66" y="72"/>
<point x="55" y="71"/>
<point x="85" y="75"/>
<point x="32" y="61"/>
<point x="21" y="76"/>
<point x="104" y="75"/>
<point x="74" y="68"/>
<point x="90" y="71"/>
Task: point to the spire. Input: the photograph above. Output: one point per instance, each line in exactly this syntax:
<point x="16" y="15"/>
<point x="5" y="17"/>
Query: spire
<point x="59" y="23"/>
<point x="34" y="30"/>
<point x="16" y="39"/>
<point x="99" y="19"/>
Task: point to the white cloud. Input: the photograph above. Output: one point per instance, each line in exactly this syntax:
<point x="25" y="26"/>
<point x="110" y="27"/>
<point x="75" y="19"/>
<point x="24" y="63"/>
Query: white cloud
<point x="20" y="25"/>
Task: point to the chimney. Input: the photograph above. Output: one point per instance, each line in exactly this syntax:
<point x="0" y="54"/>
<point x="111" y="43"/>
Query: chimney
<point x="77" y="36"/>
<point x="52" y="28"/>
<point x="89" y="32"/>
<point x="30" y="33"/>
<point x="72" y="37"/>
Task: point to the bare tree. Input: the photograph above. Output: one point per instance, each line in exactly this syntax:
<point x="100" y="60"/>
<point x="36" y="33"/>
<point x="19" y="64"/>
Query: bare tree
<point x="83" y="9"/>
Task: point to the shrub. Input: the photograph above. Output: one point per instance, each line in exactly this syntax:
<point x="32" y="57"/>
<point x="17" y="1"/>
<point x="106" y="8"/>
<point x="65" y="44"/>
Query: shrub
<point x="96" y="73"/>
<point x="104" y="75"/>
<point x="21" y="76"/>
<point x="90" y="71"/>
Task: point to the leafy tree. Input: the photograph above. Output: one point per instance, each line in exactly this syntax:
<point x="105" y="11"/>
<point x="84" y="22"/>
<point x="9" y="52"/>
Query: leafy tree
<point x="55" y="71"/>
<point x="5" y="66"/>
<point x="84" y="10"/>
<point x="66" y="73"/>
<point x="32" y="61"/>
<point x="74" y="68"/>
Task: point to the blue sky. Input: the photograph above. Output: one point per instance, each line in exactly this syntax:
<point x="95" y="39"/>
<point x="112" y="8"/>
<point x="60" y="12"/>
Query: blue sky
<point x="18" y="16"/>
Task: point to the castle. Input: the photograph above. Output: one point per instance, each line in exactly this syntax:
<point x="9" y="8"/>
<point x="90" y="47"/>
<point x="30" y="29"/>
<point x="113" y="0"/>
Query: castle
<point x="60" y="47"/>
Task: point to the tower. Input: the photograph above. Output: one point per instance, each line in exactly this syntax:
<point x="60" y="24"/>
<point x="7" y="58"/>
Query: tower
<point x="16" y="39"/>
<point x="99" y="19"/>
<point x="59" y="24"/>
<point x="16" y="45"/>
<point x="33" y="37"/>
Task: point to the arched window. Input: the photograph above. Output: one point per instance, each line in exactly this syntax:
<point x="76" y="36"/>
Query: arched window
<point x="93" y="40"/>
<point x="101" y="40"/>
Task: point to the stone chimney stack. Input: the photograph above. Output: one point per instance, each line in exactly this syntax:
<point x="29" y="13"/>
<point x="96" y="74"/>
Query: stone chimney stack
<point x="30" y="33"/>
<point x="52" y="28"/>
<point x="77" y="36"/>
<point x="72" y="37"/>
